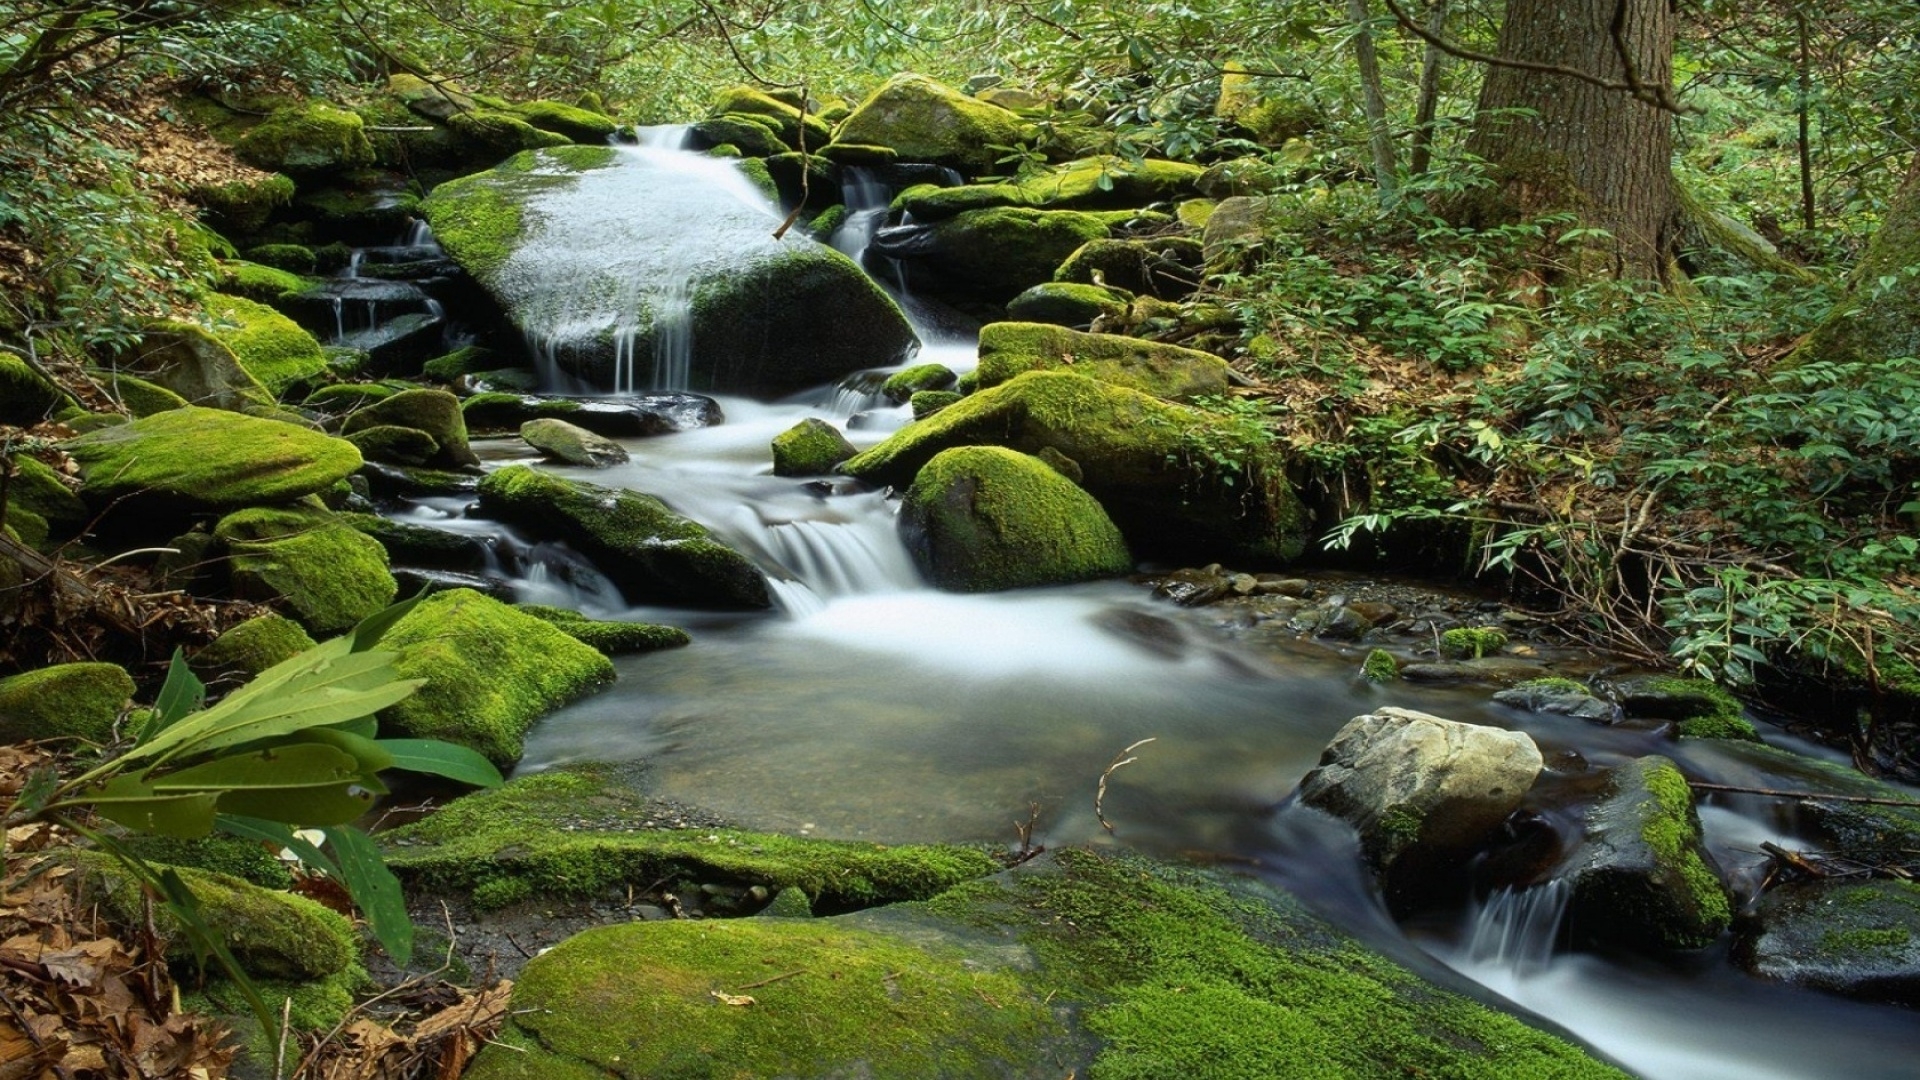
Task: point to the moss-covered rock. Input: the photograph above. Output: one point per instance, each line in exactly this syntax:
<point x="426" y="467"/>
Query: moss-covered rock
<point x="395" y="445"/>
<point x="196" y="459"/>
<point x="1379" y="667"/>
<point x="254" y="646"/>
<point x="142" y="398"/>
<point x="254" y="281"/>
<point x="490" y="134"/>
<point x="902" y="385"/>
<point x="923" y="120"/>
<point x="1264" y="108"/>
<point x="1065" y="303"/>
<point x="1699" y="708"/>
<point x="435" y="412"/>
<point x="580" y="125"/>
<point x="1167" y="267"/>
<point x="438" y="98"/>
<point x="467" y="360"/>
<point x="927" y="402"/>
<point x="786" y="116"/>
<point x="241" y="206"/>
<point x="490" y="672"/>
<point x="1102" y="183"/>
<point x="306" y="140"/>
<point x="480" y="218"/>
<point x="189" y="361"/>
<point x="420" y="545"/>
<point x="327" y="574"/>
<point x="581" y="833"/>
<point x="1642" y="878"/>
<point x="991" y="255"/>
<point x="1085" y="965"/>
<point x="1178" y="481"/>
<point x="66" y="701"/>
<point x="811" y="447"/>
<point x="273" y="348"/>
<point x="984" y="518"/>
<point x="347" y="397"/>
<point x="33" y="487"/>
<point x="610" y="637"/>
<point x="1472" y="642"/>
<point x="297" y="259"/>
<point x="649" y="551"/>
<point x="572" y="444"/>
<point x="25" y="398"/>
<point x="1171" y="372"/>
<point x="750" y="136"/>
<point x="1859" y="938"/>
<point x="248" y="860"/>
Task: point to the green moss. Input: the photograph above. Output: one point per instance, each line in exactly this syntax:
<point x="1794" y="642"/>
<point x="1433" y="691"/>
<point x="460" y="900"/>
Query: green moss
<point x="394" y="444"/>
<point x="490" y="672"/>
<point x="435" y="412"/>
<point x="1380" y="667"/>
<point x="902" y="385"/>
<point x="80" y="701"/>
<point x="612" y="638"/>
<point x="786" y="116"/>
<point x="811" y="447"/>
<point x="752" y="137"/>
<point x="314" y="1006"/>
<point x="927" y="402"/>
<point x="33" y="486"/>
<point x="580" y="125"/>
<point x="1472" y="642"/>
<point x="1008" y="349"/>
<point x="998" y="253"/>
<point x="241" y="207"/>
<point x="253" y="281"/>
<point x="1087" y="184"/>
<point x="1066" y="303"/>
<point x="25" y="398"/>
<point x="581" y="834"/>
<point x="309" y="138"/>
<point x="1866" y="940"/>
<point x="347" y="397"/>
<point x="827" y="222"/>
<point x="327" y="573"/>
<point x="922" y="120"/>
<point x="1553" y="684"/>
<point x="500" y="892"/>
<point x="497" y="134"/>
<point x="941" y="1016"/>
<point x="1673" y="833"/>
<point x="468" y="360"/>
<point x="478" y="218"/>
<point x="984" y="518"/>
<point x="291" y="258"/>
<point x="273" y="348"/>
<point x="248" y="860"/>
<point x="254" y="646"/>
<point x="756" y="170"/>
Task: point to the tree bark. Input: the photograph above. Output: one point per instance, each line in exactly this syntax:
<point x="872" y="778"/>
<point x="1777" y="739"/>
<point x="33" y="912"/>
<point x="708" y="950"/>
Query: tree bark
<point x="1555" y="143"/>
<point x="1379" y="139"/>
<point x="1880" y="318"/>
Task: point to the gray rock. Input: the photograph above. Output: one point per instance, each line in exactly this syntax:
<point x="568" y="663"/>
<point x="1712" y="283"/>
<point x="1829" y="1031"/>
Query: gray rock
<point x="1858" y="938"/>
<point x="1641" y="877"/>
<point x="572" y="444"/>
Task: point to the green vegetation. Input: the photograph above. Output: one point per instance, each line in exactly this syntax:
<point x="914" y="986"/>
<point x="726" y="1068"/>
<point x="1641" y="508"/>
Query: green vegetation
<point x="209" y="459"/>
<point x="326" y="573"/>
<point x="612" y="638"/>
<point x="1379" y="667"/>
<point x="255" y="645"/>
<point x="985" y="518"/>
<point x="1472" y="642"/>
<point x="66" y="701"/>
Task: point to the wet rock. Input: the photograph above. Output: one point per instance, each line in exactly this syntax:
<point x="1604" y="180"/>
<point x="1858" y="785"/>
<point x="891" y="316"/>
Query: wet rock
<point x="618" y="418"/>
<point x="1192" y="588"/>
<point x="572" y="444"/>
<point x="1343" y="623"/>
<point x="400" y="481"/>
<point x="1275" y="585"/>
<point x="1492" y="669"/>
<point x="811" y="447"/>
<point x="417" y="579"/>
<point x="1423" y="791"/>
<point x="421" y="545"/>
<point x="1858" y="938"/>
<point x="1563" y="697"/>
<point x="1700" y="708"/>
<point x="435" y="412"/>
<point x="1642" y="878"/>
<point x="1160" y="636"/>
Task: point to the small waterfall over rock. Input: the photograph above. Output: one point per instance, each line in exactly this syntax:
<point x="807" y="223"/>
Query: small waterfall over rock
<point x="1517" y="929"/>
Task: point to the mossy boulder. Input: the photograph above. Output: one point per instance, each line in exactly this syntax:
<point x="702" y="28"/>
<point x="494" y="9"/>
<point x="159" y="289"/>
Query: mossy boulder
<point x="436" y="99"/>
<point x="296" y="259"/>
<point x="188" y="360"/>
<point x="142" y="398"/>
<point x="1101" y="183"/>
<point x="248" y="860"/>
<point x="491" y="134"/>
<point x="327" y="574"/>
<point x="1263" y="108"/>
<point x="479" y="219"/>
<point x="787" y="118"/>
<point x="582" y="833"/>
<point x="1073" y="964"/>
<point x="580" y="125"/>
<point x="35" y="488"/>
<point x="984" y="518"/>
<point x="649" y="551"/>
<point x="1472" y="642"/>
<point x="902" y="385"/>
<point x="25" y="398"/>
<point x="195" y="459"/>
<point x="1858" y="938"/>
<point x="1642" y="877"/>
<point x="927" y="121"/>
<point x="241" y="206"/>
<point x="749" y="136"/>
<point x="409" y="544"/>
<point x="572" y="444"/>
<point x="254" y="646"/>
<point x="306" y="140"/>
<point x="990" y="255"/>
<point x="254" y="281"/>
<point x="395" y="445"/>
<point x="1178" y="481"/>
<point x="490" y="672"/>
<point x="66" y="701"/>
<point x="435" y="412"/>
<point x="927" y="402"/>
<point x="811" y="447"/>
<point x="610" y="637"/>
<point x="467" y="360"/>
<point x="1010" y="349"/>
<point x="273" y="348"/>
<point x="1167" y="267"/>
<point x="1065" y="303"/>
<point x="342" y="398"/>
<point x="1699" y="709"/>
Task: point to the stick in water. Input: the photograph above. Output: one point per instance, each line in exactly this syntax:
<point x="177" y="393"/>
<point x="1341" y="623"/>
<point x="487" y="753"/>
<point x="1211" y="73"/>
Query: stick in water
<point x="1120" y="760"/>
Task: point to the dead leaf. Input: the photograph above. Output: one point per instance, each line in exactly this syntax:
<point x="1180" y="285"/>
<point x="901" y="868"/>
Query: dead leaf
<point x="733" y="999"/>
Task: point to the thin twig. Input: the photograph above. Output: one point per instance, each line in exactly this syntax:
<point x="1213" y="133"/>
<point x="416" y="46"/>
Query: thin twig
<point x="774" y="979"/>
<point x="1822" y="796"/>
<point x="1120" y="760"/>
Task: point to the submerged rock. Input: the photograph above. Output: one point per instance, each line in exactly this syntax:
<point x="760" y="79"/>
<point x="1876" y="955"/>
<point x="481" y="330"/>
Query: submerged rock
<point x="649" y="551"/>
<point x="619" y="418"/>
<point x="984" y="518"/>
<point x="614" y="258"/>
<point x="1642" y="878"/>
<point x="1151" y="464"/>
<point x="1858" y="938"/>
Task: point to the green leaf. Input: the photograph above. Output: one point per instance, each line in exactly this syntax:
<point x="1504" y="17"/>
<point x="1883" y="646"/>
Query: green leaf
<point x="306" y="806"/>
<point x="129" y="801"/>
<point x="374" y="890"/>
<point x="181" y="694"/>
<point x="375" y="626"/>
<point x="442" y="759"/>
<point x="373" y="756"/>
<point x="281" y="834"/>
<point x="296" y="765"/>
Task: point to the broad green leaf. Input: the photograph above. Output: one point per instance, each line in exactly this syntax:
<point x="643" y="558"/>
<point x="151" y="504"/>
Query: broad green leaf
<point x="374" y="627"/>
<point x="375" y="890"/>
<point x="280" y="833"/>
<point x="366" y="727"/>
<point x="295" y="765"/>
<point x="356" y="686"/>
<point x="443" y="759"/>
<point x="305" y="806"/>
<point x="374" y="756"/>
<point x="181" y="694"/>
<point x="128" y="801"/>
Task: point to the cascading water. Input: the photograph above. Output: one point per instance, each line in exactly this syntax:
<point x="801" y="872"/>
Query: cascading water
<point x="873" y="708"/>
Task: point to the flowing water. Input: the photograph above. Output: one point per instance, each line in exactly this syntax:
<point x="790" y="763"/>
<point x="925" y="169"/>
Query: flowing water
<point x="869" y="706"/>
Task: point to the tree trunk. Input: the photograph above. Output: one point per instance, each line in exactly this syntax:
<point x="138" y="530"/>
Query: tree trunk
<point x="1554" y="142"/>
<point x="1881" y="317"/>
<point x="1374" y="99"/>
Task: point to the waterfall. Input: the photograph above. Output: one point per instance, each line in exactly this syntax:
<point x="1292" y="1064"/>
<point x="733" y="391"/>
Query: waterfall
<point x="866" y="198"/>
<point x="1515" y="930"/>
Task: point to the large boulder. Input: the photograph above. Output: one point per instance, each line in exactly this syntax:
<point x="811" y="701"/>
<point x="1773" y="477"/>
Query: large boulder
<point x="984" y="518"/>
<point x="1067" y="303"/>
<point x="1073" y="964"/>
<point x="307" y="140"/>
<point x="631" y="268"/>
<point x="990" y="255"/>
<point x="76" y="701"/>
<point x="623" y="417"/>
<point x="1009" y="349"/>
<point x="195" y="459"/>
<point x="273" y="348"/>
<point x="435" y="412"/>
<point x="1423" y="792"/>
<point x="326" y="573"/>
<point x="583" y="126"/>
<point x="1642" y="878"/>
<point x="925" y="121"/>
<point x="25" y="397"/>
<point x="1180" y="483"/>
<point x="253" y="646"/>
<point x="650" y="552"/>
<point x="785" y="116"/>
<point x="1098" y="183"/>
<point x="1858" y="938"/>
<point x="190" y="361"/>
<point x="1169" y="267"/>
<point x="36" y="489"/>
<point x="490" y="672"/>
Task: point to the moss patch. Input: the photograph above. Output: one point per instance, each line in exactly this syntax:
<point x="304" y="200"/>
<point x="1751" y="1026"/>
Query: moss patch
<point x="256" y="282"/>
<point x="984" y="518"/>
<point x="1100" y="183"/>
<point x="612" y="638"/>
<point x="491" y="671"/>
<point x="1008" y="349"/>
<point x="1472" y="642"/>
<point x="327" y="573"/>
<point x="922" y="120"/>
<point x="902" y="385"/>
<point x="478" y="218"/>
<point x="1379" y="667"/>
<point x="64" y="701"/>
<point x="811" y="447"/>
<point x="272" y="347"/>
<point x="307" y="139"/>
<point x="25" y="397"/>
<point x="209" y="459"/>
<point x="254" y="646"/>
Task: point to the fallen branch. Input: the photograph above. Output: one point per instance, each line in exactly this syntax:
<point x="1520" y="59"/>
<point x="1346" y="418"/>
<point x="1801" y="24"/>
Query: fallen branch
<point x="1871" y="800"/>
